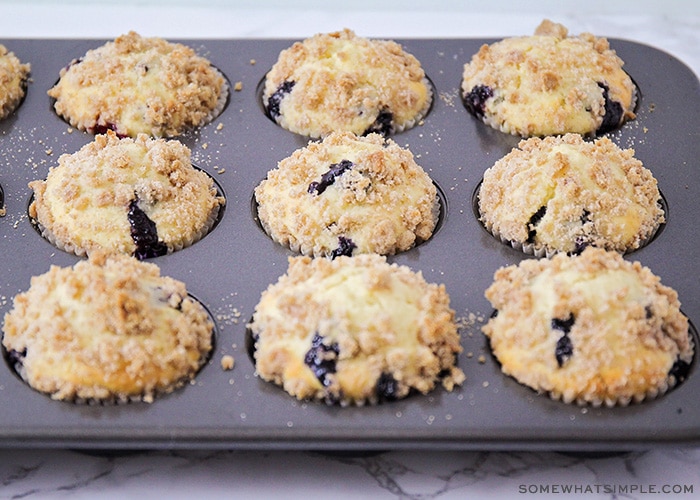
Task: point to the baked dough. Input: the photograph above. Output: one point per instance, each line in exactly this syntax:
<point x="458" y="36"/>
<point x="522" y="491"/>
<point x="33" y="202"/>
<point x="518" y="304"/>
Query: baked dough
<point x="342" y="82"/>
<point x="137" y="196"/>
<point x="355" y="330"/>
<point x="108" y="329"/>
<point x="593" y="328"/>
<point x="561" y="194"/>
<point x="348" y="195"/>
<point x="139" y="85"/>
<point x="13" y="81"/>
<point x="549" y="84"/>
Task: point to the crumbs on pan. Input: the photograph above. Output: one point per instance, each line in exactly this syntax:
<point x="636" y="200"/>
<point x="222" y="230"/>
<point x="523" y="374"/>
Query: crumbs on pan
<point x="227" y="362"/>
<point x="470" y="323"/>
<point x="449" y="98"/>
<point x="227" y="313"/>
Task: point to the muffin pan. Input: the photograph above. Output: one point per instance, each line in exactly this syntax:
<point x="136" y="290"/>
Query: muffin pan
<point x="229" y="268"/>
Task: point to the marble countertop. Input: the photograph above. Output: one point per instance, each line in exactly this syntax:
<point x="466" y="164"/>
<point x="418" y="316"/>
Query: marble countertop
<point x="49" y="473"/>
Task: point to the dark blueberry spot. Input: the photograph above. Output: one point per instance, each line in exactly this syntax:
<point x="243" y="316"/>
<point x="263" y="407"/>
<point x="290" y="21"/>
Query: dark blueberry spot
<point x="564" y="349"/>
<point x="387" y="387"/>
<point x="475" y="100"/>
<point x="563" y="325"/>
<point x="585" y="216"/>
<point x="16" y="358"/>
<point x="345" y="247"/>
<point x="321" y="358"/>
<point x="74" y="62"/>
<point x="580" y="244"/>
<point x="273" y="103"/>
<point x="534" y="220"/>
<point x="384" y="124"/>
<point x="335" y="171"/>
<point x="613" y="112"/>
<point x="102" y="129"/>
<point x="679" y="370"/>
<point x="649" y="312"/>
<point x="144" y="234"/>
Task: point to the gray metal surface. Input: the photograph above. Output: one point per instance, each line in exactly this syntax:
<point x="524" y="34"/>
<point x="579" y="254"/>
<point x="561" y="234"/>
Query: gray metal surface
<point x="229" y="269"/>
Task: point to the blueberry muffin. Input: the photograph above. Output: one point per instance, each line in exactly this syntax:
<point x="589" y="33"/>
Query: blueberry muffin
<point x="136" y="85"/>
<point x="599" y="329"/>
<point x="347" y="195"/>
<point x="109" y="329"/>
<point x="342" y="82"/>
<point x="549" y="84"/>
<point x="140" y="197"/>
<point x="355" y="330"/>
<point x="13" y="81"/>
<point x="562" y="194"/>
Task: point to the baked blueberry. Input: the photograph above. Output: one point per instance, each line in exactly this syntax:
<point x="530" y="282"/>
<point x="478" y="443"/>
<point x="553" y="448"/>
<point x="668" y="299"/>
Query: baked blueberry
<point x="273" y="103"/>
<point x="564" y="349"/>
<point x="328" y="178"/>
<point x="563" y="325"/>
<point x="475" y="99"/>
<point x="321" y="358"/>
<point x="533" y="221"/>
<point x="102" y="129"/>
<point x="679" y="370"/>
<point x="345" y="247"/>
<point x="387" y="387"/>
<point x="144" y="233"/>
<point x="383" y="125"/>
<point x="614" y="113"/>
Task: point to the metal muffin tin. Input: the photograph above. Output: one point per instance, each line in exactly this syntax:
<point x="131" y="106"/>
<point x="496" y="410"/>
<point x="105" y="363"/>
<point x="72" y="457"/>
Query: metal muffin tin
<point x="230" y="267"/>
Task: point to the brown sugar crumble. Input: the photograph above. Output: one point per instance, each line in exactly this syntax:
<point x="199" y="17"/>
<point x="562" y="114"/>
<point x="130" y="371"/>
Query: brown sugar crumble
<point x="227" y="362"/>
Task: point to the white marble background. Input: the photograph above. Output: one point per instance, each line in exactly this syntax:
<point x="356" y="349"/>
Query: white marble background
<point x="673" y="26"/>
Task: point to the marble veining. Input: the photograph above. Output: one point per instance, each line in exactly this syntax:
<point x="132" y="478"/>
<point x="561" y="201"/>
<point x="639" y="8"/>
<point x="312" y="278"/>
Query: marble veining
<point x="414" y="475"/>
